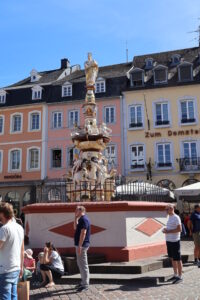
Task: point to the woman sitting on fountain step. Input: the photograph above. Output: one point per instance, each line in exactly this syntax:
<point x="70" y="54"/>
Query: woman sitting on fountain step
<point x="52" y="266"/>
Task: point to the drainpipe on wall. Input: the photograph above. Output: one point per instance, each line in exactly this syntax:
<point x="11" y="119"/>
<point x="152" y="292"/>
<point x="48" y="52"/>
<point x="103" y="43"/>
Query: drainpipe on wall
<point x="124" y="134"/>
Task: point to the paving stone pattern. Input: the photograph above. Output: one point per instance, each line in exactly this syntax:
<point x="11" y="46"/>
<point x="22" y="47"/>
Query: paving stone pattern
<point x="188" y="290"/>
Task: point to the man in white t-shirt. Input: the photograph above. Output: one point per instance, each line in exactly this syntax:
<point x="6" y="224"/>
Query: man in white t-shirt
<point x="173" y="234"/>
<point x="11" y="252"/>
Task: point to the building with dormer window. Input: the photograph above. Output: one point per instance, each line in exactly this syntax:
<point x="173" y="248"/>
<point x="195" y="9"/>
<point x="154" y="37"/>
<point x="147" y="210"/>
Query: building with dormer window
<point x="162" y="121"/>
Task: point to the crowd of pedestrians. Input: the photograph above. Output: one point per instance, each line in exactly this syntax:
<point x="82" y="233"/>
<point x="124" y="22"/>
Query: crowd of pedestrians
<point x="15" y="262"/>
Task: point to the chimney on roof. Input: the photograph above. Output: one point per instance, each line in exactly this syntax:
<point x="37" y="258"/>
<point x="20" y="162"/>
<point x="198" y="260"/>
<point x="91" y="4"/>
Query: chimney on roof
<point x="65" y="63"/>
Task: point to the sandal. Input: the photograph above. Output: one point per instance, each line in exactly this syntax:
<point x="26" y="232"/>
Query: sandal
<point x="51" y="284"/>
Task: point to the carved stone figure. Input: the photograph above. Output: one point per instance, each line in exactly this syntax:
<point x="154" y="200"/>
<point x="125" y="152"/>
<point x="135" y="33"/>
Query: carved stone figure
<point x="91" y="71"/>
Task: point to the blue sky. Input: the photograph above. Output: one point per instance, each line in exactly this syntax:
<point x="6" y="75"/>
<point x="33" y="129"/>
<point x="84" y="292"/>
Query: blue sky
<point x="38" y="33"/>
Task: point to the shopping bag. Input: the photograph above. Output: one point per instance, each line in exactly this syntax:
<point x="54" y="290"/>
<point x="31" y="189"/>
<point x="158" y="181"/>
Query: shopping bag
<point x="23" y="289"/>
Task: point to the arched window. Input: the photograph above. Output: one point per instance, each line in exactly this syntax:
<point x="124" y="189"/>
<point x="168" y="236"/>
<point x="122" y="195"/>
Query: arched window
<point x="189" y="181"/>
<point x="54" y="195"/>
<point x="26" y="198"/>
<point x="166" y="183"/>
<point x="14" y="199"/>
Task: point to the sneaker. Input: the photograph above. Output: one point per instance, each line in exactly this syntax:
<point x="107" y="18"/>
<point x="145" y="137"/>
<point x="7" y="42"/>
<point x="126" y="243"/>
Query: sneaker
<point x="82" y="289"/>
<point x="172" y="278"/>
<point x="177" y="280"/>
<point x="78" y="286"/>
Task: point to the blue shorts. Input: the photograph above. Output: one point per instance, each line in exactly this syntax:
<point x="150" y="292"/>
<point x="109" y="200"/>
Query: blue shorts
<point x="8" y="285"/>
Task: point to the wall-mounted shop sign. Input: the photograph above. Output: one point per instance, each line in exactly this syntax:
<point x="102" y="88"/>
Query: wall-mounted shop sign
<point x="149" y="134"/>
<point x="14" y="176"/>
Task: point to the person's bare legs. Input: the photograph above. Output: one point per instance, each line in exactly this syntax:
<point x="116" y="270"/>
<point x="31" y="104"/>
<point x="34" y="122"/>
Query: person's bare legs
<point x="43" y="277"/>
<point x="180" y="268"/>
<point x="196" y="252"/>
<point x="50" y="277"/>
<point x="175" y="267"/>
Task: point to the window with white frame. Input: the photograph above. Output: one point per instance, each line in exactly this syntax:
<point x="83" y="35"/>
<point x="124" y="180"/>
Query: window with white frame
<point x="162" y="114"/>
<point x="71" y="154"/>
<point x="2" y="97"/>
<point x="16" y="123"/>
<point x="15" y="160"/>
<point x="135" y="116"/>
<point x="109" y="114"/>
<point x="190" y="149"/>
<point x="57" y="119"/>
<point x="137" y="156"/>
<point x="111" y="155"/>
<point x="185" y="72"/>
<point x="56" y="158"/>
<point x="148" y="63"/>
<point x="137" y="77"/>
<point x="1" y="160"/>
<point x="164" y="155"/>
<point x="190" y="160"/>
<point x="100" y="86"/>
<point x="73" y="118"/>
<point x="35" y="121"/>
<point x="187" y="111"/>
<point x="67" y="90"/>
<point x="34" y="75"/>
<point x="33" y="158"/>
<point x="1" y="124"/>
<point x="160" y="75"/>
<point x="175" y="59"/>
<point x="36" y="93"/>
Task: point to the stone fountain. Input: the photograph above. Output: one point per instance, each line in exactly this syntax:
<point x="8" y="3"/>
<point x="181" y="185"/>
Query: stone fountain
<point x="90" y="179"/>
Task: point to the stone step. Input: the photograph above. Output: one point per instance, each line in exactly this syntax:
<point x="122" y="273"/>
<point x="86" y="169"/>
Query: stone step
<point x="155" y="276"/>
<point x="71" y="265"/>
<point x="136" y="267"/>
<point x="98" y="264"/>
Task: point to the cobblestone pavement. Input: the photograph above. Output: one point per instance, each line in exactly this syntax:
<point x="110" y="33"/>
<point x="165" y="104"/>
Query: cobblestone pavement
<point x="188" y="290"/>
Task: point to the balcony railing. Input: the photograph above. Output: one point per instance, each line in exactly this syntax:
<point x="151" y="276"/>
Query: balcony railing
<point x="192" y="120"/>
<point x="164" y="165"/>
<point x="160" y="122"/>
<point x="135" y="125"/>
<point x="137" y="166"/>
<point x="189" y="164"/>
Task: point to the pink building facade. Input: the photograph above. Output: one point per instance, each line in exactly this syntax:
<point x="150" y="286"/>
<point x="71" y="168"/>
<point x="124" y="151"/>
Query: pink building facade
<point x="61" y="119"/>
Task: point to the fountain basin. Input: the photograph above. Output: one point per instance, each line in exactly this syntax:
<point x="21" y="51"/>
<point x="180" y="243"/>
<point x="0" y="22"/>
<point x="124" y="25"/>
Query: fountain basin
<point x="122" y="231"/>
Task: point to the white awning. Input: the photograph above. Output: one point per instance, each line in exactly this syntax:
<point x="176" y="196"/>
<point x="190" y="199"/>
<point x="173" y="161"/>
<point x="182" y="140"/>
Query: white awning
<point x="188" y="190"/>
<point x="143" y="188"/>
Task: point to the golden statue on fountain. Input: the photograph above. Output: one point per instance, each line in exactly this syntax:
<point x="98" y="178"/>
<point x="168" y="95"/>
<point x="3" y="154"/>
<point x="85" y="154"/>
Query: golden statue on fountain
<point x="89" y="173"/>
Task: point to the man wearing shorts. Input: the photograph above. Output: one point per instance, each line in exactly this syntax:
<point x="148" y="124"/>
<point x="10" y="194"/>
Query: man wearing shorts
<point x="172" y="233"/>
<point x="194" y="229"/>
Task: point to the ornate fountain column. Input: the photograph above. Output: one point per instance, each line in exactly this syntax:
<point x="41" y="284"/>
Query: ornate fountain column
<point x="89" y="172"/>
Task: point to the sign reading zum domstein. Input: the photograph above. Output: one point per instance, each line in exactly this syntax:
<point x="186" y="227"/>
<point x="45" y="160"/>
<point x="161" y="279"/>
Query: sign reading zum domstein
<point x="149" y="134"/>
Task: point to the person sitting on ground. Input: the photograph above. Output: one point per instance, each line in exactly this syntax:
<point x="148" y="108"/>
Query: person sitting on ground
<point x="37" y="276"/>
<point x="52" y="266"/>
<point x="29" y="261"/>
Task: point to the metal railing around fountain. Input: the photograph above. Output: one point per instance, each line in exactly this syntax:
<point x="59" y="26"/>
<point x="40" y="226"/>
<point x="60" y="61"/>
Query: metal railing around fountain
<point x="65" y="191"/>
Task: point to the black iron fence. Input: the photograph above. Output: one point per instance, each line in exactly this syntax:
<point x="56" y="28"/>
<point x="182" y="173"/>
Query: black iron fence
<point x="113" y="190"/>
<point x="189" y="164"/>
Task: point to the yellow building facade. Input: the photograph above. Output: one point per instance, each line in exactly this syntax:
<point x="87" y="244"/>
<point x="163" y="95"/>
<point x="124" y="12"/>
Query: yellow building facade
<point x="162" y="132"/>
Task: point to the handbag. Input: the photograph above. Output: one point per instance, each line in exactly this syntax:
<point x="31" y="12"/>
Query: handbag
<point x="23" y="289"/>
